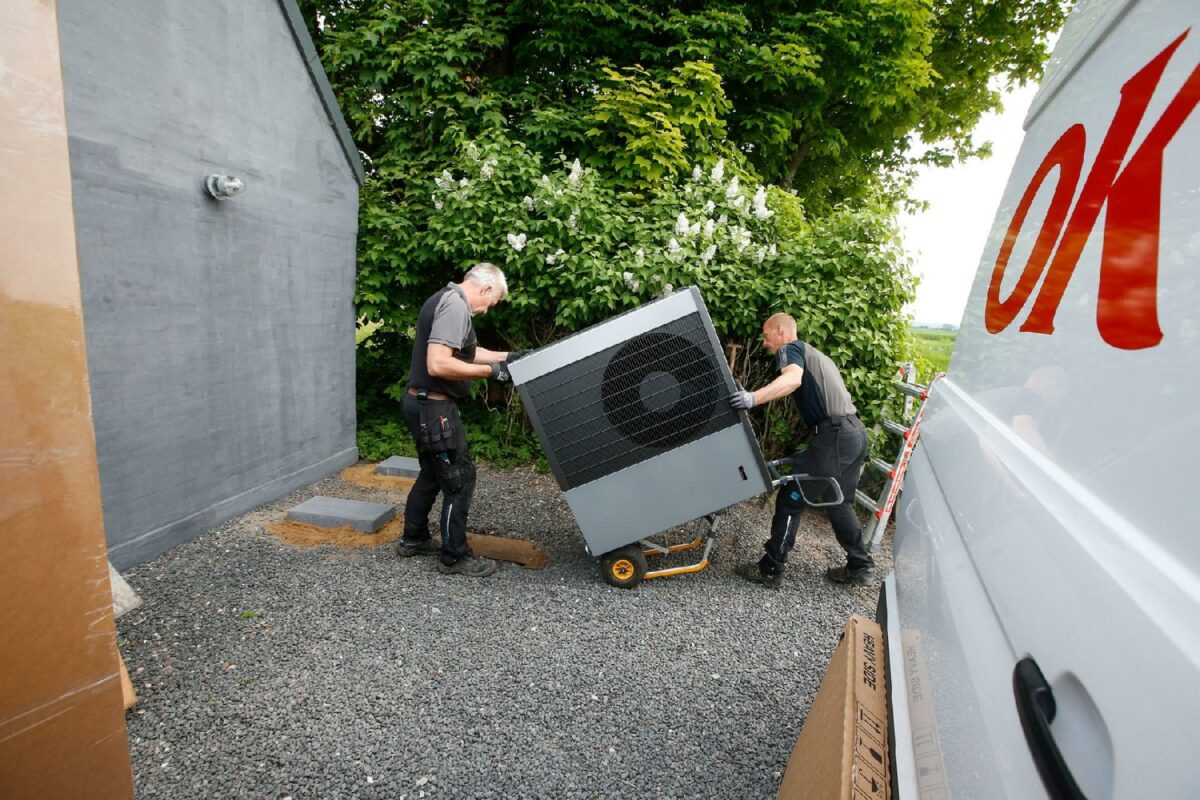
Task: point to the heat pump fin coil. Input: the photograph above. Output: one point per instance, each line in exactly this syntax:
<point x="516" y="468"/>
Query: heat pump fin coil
<point x="656" y="391"/>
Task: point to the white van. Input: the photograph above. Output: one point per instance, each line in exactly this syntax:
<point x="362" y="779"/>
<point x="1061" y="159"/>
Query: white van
<point x="1043" y="619"/>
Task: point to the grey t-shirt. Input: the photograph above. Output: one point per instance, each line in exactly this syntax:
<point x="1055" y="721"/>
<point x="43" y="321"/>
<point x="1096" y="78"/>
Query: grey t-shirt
<point x="822" y="393"/>
<point x="452" y="320"/>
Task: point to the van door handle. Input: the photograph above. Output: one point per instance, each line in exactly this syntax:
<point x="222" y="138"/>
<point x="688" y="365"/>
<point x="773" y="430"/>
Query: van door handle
<point x="1036" y="708"/>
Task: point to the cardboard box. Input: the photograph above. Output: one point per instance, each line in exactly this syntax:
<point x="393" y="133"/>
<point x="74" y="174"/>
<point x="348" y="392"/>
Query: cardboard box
<point x="62" y="727"/>
<point x="927" y="748"/>
<point x="842" y="751"/>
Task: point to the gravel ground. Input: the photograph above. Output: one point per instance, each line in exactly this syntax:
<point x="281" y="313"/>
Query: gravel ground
<point x="268" y="670"/>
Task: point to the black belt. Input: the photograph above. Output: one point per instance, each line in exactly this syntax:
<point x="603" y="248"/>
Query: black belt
<point x="832" y="422"/>
<point x="432" y="395"/>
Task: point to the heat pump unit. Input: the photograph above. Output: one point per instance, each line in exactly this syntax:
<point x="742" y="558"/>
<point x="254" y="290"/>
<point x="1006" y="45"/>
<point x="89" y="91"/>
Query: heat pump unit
<point x="634" y="418"/>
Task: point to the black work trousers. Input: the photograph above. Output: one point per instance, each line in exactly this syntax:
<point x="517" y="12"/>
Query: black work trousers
<point x="450" y="472"/>
<point x="837" y="450"/>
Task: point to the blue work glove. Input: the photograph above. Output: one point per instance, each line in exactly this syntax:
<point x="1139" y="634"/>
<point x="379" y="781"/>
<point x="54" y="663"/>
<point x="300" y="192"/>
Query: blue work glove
<point x="741" y="399"/>
<point x="500" y="372"/>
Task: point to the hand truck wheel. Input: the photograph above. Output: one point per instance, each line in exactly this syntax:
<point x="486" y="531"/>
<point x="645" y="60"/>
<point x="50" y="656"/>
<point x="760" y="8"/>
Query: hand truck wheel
<point x="624" y="567"/>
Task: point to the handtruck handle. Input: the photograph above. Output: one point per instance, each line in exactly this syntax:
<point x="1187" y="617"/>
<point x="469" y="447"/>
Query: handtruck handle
<point x="800" y="478"/>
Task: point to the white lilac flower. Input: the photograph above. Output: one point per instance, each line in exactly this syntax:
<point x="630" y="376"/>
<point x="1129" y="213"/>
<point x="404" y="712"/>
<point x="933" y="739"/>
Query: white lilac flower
<point x="740" y="237"/>
<point x="708" y="254"/>
<point x="708" y="228"/>
<point x="445" y="181"/>
<point x="760" y="204"/>
<point x="739" y="202"/>
<point x="718" y="171"/>
<point x="576" y="173"/>
<point x="695" y="229"/>
<point x="573" y="221"/>
<point x="529" y="202"/>
<point x="710" y="207"/>
<point x="437" y="204"/>
<point x="516" y="241"/>
<point x="724" y="218"/>
<point x="639" y="256"/>
<point x="687" y="190"/>
<point x="464" y="183"/>
<point x="697" y="173"/>
<point x="546" y="179"/>
<point x="760" y="255"/>
<point x="733" y="189"/>
<point x="632" y="283"/>
<point x="772" y="252"/>
<point x="681" y="224"/>
<point x="485" y="172"/>
<point x="673" y="246"/>
<point x="668" y="289"/>
<point x="550" y="258"/>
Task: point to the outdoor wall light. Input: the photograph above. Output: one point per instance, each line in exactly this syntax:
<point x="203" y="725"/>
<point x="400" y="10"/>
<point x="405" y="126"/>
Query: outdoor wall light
<point x="223" y="187"/>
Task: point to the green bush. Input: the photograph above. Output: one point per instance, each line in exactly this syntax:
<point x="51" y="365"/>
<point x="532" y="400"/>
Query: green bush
<point x="577" y="250"/>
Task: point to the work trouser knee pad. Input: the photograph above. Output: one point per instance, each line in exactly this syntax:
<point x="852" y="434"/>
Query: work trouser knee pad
<point x="789" y="500"/>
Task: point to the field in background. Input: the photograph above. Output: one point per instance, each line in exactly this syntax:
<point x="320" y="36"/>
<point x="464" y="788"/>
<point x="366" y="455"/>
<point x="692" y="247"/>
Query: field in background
<point x="933" y="350"/>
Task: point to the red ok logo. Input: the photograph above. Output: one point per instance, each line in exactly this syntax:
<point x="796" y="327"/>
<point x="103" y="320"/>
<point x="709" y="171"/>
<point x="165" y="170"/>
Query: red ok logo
<point x="1127" y="304"/>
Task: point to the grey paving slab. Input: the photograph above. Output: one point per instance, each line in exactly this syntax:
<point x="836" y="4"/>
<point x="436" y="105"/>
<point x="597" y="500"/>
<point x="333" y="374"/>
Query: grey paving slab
<point x="399" y="466"/>
<point x="333" y="512"/>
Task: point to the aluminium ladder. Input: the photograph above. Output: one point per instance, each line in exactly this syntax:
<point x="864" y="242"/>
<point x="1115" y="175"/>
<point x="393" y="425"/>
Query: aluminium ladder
<point x="881" y="508"/>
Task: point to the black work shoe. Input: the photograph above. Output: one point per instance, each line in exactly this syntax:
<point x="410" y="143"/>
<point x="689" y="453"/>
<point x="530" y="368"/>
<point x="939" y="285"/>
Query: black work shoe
<point x="471" y="566"/>
<point x="421" y="547"/>
<point x="859" y="576"/>
<point x="752" y="573"/>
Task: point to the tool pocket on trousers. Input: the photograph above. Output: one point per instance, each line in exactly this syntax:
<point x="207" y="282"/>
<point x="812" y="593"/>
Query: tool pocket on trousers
<point x="437" y="431"/>
<point x="821" y="457"/>
<point x="450" y="476"/>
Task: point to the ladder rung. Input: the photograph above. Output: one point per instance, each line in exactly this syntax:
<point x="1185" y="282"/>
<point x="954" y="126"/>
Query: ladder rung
<point x="883" y="466"/>
<point x="865" y="500"/>
<point x="895" y="427"/>
<point x="913" y="389"/>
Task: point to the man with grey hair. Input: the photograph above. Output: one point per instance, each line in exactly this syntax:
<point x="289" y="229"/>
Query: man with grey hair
<point x="446" y="357"/>
<point x="837" y="450"/>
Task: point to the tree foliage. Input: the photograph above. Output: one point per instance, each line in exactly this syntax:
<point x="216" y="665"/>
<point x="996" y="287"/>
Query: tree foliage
<point x="822" y="97"/>
<point x="604" y="151"/>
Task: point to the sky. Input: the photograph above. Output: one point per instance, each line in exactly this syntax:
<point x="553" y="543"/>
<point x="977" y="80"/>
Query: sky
<point x="947" y="240"/>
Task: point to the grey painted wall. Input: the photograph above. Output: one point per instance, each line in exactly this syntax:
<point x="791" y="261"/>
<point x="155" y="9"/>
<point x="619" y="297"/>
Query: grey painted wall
<point x="220" y="335"/>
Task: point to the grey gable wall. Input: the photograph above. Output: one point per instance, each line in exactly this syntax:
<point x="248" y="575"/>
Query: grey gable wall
<point x="220" y="335"/>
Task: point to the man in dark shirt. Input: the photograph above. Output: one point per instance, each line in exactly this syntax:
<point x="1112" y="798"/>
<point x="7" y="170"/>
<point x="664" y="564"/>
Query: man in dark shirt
<point x="446" y="358"/>
<point x="837" y="450"/>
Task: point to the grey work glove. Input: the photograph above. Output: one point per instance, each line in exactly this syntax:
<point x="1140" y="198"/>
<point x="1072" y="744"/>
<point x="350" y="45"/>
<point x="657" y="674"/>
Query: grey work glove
<point x="500" y="372"/>
<point x="742" y="400"/>
<point x="513" y="355"/>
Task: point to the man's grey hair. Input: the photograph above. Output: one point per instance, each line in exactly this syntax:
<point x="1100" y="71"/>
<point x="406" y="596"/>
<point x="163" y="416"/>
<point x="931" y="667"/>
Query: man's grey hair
<point x="485" y="274"/>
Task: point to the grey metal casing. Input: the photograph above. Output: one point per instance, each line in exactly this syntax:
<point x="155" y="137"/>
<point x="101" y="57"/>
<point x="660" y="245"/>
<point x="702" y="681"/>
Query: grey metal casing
<point x="680" y="484"/>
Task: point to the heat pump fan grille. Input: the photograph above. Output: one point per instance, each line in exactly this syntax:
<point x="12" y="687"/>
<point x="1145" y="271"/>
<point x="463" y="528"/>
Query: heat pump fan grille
<point x="656" y="391"/>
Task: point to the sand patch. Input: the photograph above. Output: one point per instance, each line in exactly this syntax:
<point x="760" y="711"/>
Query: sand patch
<point x="365" y="475"/>
<point x="502" y="548"/>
